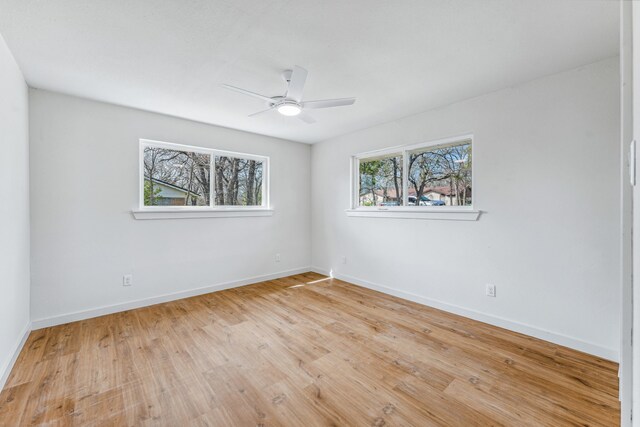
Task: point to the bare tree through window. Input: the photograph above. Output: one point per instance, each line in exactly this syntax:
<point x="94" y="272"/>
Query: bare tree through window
<point x="200" y="177"/>
<point x="437" y="175"/>
<point x="176" y="178"/>
<point x="381" y="181"/>
<point x="238" y="181"/>
<point x="443" y="173"/>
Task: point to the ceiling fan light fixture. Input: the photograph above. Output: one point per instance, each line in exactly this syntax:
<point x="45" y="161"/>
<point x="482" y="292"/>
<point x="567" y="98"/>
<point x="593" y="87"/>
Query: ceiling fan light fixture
<point x="289" y="109"/>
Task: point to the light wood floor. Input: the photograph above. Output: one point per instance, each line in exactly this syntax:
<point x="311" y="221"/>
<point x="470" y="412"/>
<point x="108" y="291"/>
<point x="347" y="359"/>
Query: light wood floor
<point x="301" y="351"/>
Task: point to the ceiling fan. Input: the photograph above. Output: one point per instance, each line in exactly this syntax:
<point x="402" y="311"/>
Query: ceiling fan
<point x="291" y="104"/>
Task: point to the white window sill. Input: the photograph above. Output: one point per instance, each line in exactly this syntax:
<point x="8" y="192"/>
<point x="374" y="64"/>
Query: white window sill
<point x="200" y="213"/>
<point x="407" y="213"/>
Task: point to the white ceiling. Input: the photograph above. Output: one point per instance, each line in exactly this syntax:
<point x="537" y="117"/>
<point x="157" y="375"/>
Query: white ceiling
<point x="397" y="57"/>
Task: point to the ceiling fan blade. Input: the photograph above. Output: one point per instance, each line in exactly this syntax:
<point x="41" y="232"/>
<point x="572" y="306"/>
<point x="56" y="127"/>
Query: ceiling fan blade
<point x="328" y="103"/>
<point x="296" y="83"/>
<point x="260" y="112"/>
<point x="247" y="92"/>
<point x="306" y="118"/>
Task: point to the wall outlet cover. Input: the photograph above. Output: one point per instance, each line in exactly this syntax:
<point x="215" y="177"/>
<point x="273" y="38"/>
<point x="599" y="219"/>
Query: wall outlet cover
<point x="491" y="290"/>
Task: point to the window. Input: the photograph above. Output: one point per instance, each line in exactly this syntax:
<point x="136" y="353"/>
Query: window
<point x="381" y="181"/>
<point x="238" y="181"/>
<point x="435" y="175"/>
<point x="183" y="177"/>
<point x="175" y="177"/>
<point x="440" y="175"/>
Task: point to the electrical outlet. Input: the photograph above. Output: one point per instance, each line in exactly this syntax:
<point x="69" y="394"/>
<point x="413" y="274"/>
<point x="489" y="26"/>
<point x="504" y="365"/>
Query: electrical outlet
<point x="491" y="290"/>
<point x="344" y="259"/>
<point x="127" y="280"/>
<point x="277" y="257"/>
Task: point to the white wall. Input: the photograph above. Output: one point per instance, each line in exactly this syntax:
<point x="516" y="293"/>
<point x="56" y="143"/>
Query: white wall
<point x="14" y="210"/>
<point x="84" y="183"/>
<point x="546" y="164"/>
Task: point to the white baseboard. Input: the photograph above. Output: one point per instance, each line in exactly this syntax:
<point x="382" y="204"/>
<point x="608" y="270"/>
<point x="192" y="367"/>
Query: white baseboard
<point x="6" y="370"/>
<point x="130" y="305"/>
<point x="567" y="341"/>
<point x="556" y="338"/>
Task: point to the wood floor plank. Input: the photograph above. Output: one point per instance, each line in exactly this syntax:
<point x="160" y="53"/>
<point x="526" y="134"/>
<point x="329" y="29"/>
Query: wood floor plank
<point x="304" y="350"/>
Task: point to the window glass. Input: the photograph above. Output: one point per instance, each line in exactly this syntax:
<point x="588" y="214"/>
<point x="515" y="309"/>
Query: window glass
<point x="381" y="181"/>
<point x="238" y="182"/>
<point x="440" y="176"/>
<point x="176" y="177"/>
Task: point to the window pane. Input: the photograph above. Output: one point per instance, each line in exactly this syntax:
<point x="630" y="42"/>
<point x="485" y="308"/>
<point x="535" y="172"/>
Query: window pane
<point x="381" y="181"/>
<point x="238" y="181"/>
<point x="176" y="178"/>
<point x="440" y="176"/>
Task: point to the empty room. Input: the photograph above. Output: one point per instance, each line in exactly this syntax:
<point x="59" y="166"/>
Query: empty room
<point x="319" y="213"/>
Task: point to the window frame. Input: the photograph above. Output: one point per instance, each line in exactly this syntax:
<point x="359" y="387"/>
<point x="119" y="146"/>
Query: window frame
<point x="265" y="206"/>
<point x="404" y="151"/>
